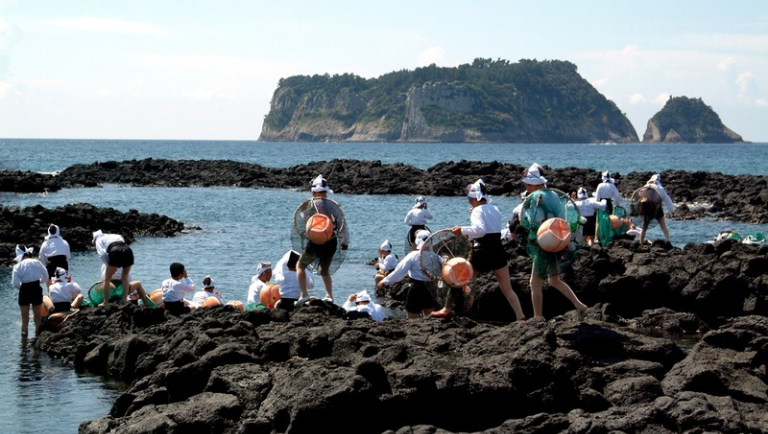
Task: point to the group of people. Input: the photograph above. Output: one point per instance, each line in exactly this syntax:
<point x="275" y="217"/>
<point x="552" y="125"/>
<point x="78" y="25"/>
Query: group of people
<point x="293" y="272"/>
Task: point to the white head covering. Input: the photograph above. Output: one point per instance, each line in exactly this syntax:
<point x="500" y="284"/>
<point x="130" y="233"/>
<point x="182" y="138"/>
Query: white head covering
<point x="363" y="296"/>
<point x="532" y="176"/>
<point x="386" y="245"/>
<point x="420" y="201"/>
<point x="60" y="274"/>
<point x="477" y="191"/>
<point x="656" y="178"/>
<point x="421" y="236"/>
<point x="210" y="285"/>
<point x="53" y="232"/>
<point x="97" y="234"/>
<point x="320" y="184"/>
<point x="263" y="267"/>
<point x="21" y="252"/>
<point x="582" y="193"/>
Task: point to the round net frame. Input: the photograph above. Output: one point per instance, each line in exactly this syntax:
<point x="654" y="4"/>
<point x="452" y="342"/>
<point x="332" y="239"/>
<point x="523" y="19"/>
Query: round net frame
<point x="96" y="292"/>
<point x="643" y="205"/>
<point x="300" y="239"/>
<point x="542" y="205"/>
<point x="436" y="250"/>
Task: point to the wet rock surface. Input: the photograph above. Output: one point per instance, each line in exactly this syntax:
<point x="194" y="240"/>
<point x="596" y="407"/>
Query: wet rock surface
<point x="699" y="195"/>
<point x="219" y="370"/>
<point x="29" y="225"/>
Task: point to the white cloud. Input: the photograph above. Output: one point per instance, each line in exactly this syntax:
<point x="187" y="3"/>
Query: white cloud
<point x="105" y="25"/>
<point x="636" y="98"/>
<point x="726" y="63"/>
<point x="5" y="87"/>
<point x="661" y="99"/>
<point x="744" y="83"/>
<point x="761" y="102"/>
<point x="432" y="55"/>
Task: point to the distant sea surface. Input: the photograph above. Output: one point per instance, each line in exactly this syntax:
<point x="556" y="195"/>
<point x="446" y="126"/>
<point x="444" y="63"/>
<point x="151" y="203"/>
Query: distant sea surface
<point x="240" y="227"/>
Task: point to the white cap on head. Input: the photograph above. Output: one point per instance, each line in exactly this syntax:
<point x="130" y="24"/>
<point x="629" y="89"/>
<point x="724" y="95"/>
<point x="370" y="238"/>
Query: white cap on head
<point x="263" y="267"/>
<point x="60" y="274"/>
<point x="320" y="184"/>
<point x="362" y="296"/>
<point x="478" y="191"/>
<point x="21" y="252"/>
<point x="97" y="234"/>
<point x="582" y="193"/>
<point x="420" y="202"/>
<point x="532" y="176"/>
<point x="386" y="245"/>
<point x="421" y="236"/>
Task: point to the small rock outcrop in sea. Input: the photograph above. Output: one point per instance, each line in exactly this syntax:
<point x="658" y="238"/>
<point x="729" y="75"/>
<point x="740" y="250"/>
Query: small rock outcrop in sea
<point x="688" y="120"/>
<point x="486" y="101"/>
<point x="28" y="226"/>
<point x="221" y="371"/>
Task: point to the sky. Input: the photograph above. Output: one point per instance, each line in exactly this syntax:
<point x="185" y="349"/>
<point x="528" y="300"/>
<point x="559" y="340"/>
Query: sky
<point x="207" y="70"/>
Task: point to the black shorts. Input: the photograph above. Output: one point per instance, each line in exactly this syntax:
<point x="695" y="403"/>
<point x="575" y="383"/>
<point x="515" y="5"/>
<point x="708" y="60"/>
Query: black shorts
<point x="58" y="261"/>
<point x="31" y="293"/>
<point x="176" y="307"/>
<point x="322" y="252"/>
<point x="488" y="254"/>
<point x="120" y="255"/>
<point x="608" y="206"/>
<point x="286" y="304"/>
<point x="419" y="297"/>
<point x="62" y="306"/>
<point x="589" y="226"/>
<point x="412" y="232"/>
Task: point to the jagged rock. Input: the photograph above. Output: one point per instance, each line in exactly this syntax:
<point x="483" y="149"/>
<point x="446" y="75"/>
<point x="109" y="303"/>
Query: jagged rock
<point x="688" y="120"/>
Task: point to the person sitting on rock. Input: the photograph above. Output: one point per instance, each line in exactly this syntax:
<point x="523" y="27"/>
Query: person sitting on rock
<point x="291" y="294"/>
<point x="258" y="281"/>
<point x="209" y="290"/>
<point x="361" y="304"/>
<point x="386" y="262"/>
<point x="64" y="293"/>
<point x="176" y="288"/>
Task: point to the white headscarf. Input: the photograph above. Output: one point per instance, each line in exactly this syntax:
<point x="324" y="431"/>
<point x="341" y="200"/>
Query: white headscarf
<point x="363" y="296"/>
<point x="97" y="234"/>
<point x="60" y="274"/>
<point x="656" y="178"/>
<point x="582" y="193"/>
<point x="210" y="285"/>
<point x="477" y="191"/>
<point x="421" y="236"/>
<point x="21" y="252"/>
<point x="532" y="176"/>
<point x="53" y="234"/>
<point x="420" y="202"/>
<point x="320" y="184"/>
<point x="263" y="267"/>
<point x="386" y="245"/>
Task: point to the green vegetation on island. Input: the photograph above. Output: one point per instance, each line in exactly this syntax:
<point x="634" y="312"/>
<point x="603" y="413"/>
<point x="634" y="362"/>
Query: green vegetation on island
<point x="688" y="120"/>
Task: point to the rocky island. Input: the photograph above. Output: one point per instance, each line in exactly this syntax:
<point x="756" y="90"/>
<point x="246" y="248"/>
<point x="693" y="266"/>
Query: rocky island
<point x="688" y="120"/>
<point x="486" y="101"/>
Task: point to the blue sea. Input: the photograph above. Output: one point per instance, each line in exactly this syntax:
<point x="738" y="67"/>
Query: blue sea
<point x="240" y="227"/>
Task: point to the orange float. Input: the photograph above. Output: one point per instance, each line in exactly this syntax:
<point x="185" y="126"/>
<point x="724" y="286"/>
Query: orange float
<point x="47" y="305"/>
<point x="157" y="297"/>
<point x="210" y="302"/>
<point x="553" y="235"/>
<point x="319" y="228"/>
<point x="269" y="295"/>
<point x="457" y="272"/>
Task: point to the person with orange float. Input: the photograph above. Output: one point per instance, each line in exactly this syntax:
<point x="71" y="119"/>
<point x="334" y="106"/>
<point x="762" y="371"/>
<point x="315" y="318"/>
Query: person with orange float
<point x="545" y="263"/>
<point x="418" y="300"/>
<point x="27" y="276"/>
<point x="323" y="250"/>
<point x="258" y="281"/>
<point x="487" y="252"/>
<point x="176" y="288"/>
<point x="203" y="298"/>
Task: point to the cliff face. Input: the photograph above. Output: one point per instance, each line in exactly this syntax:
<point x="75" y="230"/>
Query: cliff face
<point x="488" y="101"/>
<point x="688" y="120"/>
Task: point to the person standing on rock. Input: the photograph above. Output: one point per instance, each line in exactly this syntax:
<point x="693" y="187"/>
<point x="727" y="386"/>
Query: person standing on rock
<point x="588" y="207"/>
<point x="115" y="253"/>
<point x="54" y="252"/>
<point x="658" y="214"/>
<point x="608" y="192"/>
<point x="545" y="264"/>
<point x="27" y="276"/>
<point x="417" y="218"/>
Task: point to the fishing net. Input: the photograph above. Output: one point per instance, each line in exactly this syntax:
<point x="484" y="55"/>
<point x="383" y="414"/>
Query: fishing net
<point x="612" y="226"/>
<point x="436" y="251"/>
<point x="96" y="292"/>
<point x="644" y="204"/>
<point x="300" y="239"/>
<point x="409" y="245"/>
<point x="542" y="205"/>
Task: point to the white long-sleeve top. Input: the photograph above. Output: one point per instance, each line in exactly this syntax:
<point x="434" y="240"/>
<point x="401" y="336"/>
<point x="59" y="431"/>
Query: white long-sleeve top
<point x="176" y="290"/>
<point x="64" y="291"/>
<point x="374" y="310"/>
<point x="103" y="242"/>
<point x="668" y="204"/>
<point x="201" y="296"/>
<point x="607" y="190"/>
<point x="254" y="291"/>
<point x="418" y="216"/>
<point x="289" y="280"/>
<point x="28" y="270"/>
<point x="484" y="219"/>
<point x="589" y="206"/>
<point x="388" y="263"/>
<point x="54" y="245"/>
<point x="410" y="265"/>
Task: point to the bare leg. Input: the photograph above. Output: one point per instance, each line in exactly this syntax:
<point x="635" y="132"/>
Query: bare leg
<point x="663" y="225"/>
<point x="302" y="278"/>
<point x="568" y="293"/>
<point x="643" y="230"/>
<point x="108" y="273"/>
<point x="502" y="276"/>
<point x="37" y="314"/>
<point x="328" y="282"/>
<point x="126" y="284"/>
<point x="24" y="320"/>
<point x="77" y="301"/>
<point x="537" y="298"/>
<point x="426" y="312"/>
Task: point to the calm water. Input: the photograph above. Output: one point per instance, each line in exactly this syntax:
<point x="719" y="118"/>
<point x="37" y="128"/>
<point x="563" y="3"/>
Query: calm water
<point x="240" y="227"/>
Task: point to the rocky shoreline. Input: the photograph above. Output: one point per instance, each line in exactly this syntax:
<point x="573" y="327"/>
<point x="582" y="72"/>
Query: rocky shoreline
<point x="699" y="195"/>
<point x="219" y="370"/>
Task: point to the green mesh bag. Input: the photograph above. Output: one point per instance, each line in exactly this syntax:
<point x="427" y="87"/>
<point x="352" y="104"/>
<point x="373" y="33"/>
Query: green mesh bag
<point x="754" y="238"/>
<point x="540" y="206"/>
<point x="612" y="226"/>
<point x="254" y="306"/>
<point x="96" y="292"/>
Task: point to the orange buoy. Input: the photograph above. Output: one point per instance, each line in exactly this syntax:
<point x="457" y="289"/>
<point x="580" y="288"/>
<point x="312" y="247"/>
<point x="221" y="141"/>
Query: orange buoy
<point x="210" y="302"/>
<point x="319" y="228"/>
<point x="47" y="305"/>
<point x="157" y="297"/>
<point x="269" y="295"/>
<point x="55" y="321"/>
<point x="615" y="221"/>
<point x="237" y="304"/>
<point x="553" y="235"/>
<point x="457" y="272"/>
